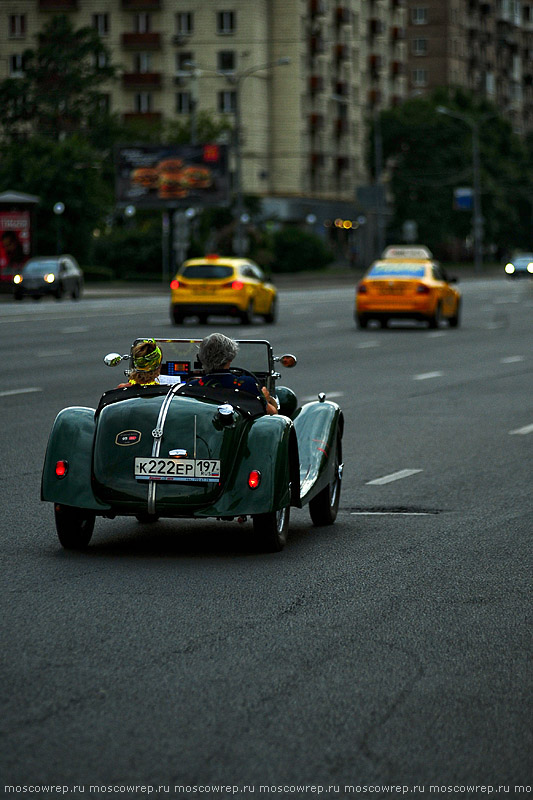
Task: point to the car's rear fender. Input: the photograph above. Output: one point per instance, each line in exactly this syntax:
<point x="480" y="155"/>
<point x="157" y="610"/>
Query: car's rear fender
<point x="317" y="425"/>
<point x="71" y="440"/>
<point x="271" y="448"/>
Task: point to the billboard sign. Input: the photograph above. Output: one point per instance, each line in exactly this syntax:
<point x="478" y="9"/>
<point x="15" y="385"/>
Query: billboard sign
<point x="170" y="176"/>
<point x="15" y="242"/>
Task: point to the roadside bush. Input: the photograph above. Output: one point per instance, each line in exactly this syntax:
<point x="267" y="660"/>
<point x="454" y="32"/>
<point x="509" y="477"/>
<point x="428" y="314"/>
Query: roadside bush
<point x="297" y="251"/>
<point x="130" y="253"/>
<point x="92" y="274"/>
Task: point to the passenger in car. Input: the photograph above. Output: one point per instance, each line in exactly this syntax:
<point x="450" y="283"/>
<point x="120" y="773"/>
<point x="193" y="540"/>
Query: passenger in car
<point x="146" y="356"/>
<point x="216" y="352"/>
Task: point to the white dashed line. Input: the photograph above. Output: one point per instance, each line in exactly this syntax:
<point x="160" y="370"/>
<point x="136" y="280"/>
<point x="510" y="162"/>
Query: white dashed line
<point x="327" y="323"/>
<point x="75" y="330"/>
<point x="364" y="345"/>
<point x="511" y="359"/>
<point x="390" y="513"/>
<point x="329" y="396"/>
<point x="53" y="353"/>
<point x="522" y="431"/>
<point x="20" y="391"/>
<point x="425" y="376"/>
<point x="395" y="476"/>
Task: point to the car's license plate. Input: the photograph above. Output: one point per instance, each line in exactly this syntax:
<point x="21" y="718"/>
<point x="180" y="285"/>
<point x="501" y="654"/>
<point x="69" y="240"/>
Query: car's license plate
<point x="177" y="469"/>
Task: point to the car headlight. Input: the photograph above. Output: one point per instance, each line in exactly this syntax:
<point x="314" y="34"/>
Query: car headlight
<point x="50" y="278"/>
<point x="530" y="267"/>
<point x="17" y="279"/>
<point x="509" y="268"/>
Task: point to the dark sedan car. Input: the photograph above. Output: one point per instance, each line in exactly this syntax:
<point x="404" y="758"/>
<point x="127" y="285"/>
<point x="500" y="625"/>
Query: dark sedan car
<point x="520" y="266"/>
<point x="54" y="275"/>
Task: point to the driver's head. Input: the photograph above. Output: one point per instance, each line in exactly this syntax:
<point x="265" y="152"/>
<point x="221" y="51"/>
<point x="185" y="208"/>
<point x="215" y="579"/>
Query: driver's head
<point x="217" y="351"/>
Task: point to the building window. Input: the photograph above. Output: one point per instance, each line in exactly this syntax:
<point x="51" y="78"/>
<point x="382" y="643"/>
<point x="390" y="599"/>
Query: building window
<point x="143" y="102"/>
<point x="100" y="60"/>
<point x="227" y="102"/>
<point x="183" y="62"/>
<point x="420" y="77"/>
<point x="16" y="66"/>
<point x="226" y="22"/>
<point x="184" y="23"/>
<point x="183" y="103"/>
<point x="419" y="16"/>
<point x="142" y="23"/>
<point x="226" y="61"/>
<point x="104" y="103"/>
<point x="17" y="26"/>
<point x="420" y="47"/>
<point x="101" y="24"/>
<point x="143" y="62"/>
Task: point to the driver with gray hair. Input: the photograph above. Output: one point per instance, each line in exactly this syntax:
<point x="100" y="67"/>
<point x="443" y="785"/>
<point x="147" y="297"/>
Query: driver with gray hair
<point x="216" y="352"/>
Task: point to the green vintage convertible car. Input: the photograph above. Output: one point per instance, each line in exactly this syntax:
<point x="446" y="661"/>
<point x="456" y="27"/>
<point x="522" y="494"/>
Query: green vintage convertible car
<point x="192" y="447"/>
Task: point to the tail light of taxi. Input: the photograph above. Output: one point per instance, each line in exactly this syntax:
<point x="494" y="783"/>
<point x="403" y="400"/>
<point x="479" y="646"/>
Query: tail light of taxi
<point x="422" y="289"/>
<point x="362" y="288"/>
<point x="175" y="284"/>
<point x="233" y="285"/>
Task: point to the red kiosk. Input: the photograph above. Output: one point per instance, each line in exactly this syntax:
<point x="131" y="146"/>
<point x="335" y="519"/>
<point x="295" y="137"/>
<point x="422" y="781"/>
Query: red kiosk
<point x="16" y="234"/>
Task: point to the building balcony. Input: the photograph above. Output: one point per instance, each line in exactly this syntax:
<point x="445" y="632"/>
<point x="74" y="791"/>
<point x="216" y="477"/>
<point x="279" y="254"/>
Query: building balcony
<point x="396" y="68"/>
<point x="317" y="8"/>
<point x="397" y="34"/>
<point x="316" y="122"/>
<point x="341" y="52"/>
<point x="316" y="84"/>
<point x="317" y="160"/>
<point x="342" y="163"/>
<point x="341" y="126"/>
<point x="374" y="97"/>
<point x="152" y="117"/>
<point x="342" y="15"/>
<point x="58" y="5"/>
<point x="341" y="88"/>
<point x="141" y="5"/>
<point x="141" y="80"/>
<point x="316" y="45"/>
<point x="375" y="26"/>
<point x="141" y="41"/>
<point x="375" y="63"/>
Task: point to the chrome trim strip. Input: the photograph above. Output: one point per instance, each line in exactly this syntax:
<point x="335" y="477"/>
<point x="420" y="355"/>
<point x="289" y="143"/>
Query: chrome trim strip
<point x="157" y="434"/>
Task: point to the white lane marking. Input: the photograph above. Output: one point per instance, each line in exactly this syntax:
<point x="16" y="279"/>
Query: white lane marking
<point x="394" y="476"/>
<point x="75" y="330"/>
<point x="522" y="431"/>
<point x="329" y="396"/>
<point x="424" y="376"/>
<point x="436" y="334"/>
<point x="327" y="324"/>
<point x="511" y="359"/>
<point x="390" y="513"/>
<point x="20" y="391"/>
<point x="364" y="345"/>
<point x="54" y="353"/>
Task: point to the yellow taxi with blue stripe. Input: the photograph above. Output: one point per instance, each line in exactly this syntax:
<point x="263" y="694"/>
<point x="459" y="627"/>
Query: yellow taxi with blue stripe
<point x="407" y="283"/>
<point x="222" y="286"/>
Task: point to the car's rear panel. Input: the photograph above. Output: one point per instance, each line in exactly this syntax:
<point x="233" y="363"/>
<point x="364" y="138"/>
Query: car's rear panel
<point x="207" y="292"/>
<point x="396" y="295"/>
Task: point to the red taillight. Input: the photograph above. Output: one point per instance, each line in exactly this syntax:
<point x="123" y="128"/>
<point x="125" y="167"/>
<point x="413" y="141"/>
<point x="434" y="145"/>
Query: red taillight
<point x="174" y="284"/>
<point x="61" y="468"/>
<point x="254" y="479"/>
<point x="422" y="289"/>
<point x="237" y="285"/>
<point x="361" y="289"/>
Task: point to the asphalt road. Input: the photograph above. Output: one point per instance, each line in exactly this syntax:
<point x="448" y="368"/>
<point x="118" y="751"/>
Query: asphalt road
<point x="393" y="649"/>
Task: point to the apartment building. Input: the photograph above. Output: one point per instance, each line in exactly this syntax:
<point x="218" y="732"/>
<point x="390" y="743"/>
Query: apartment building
<point x="486" y="47"/>
<point x="303" y="120"/>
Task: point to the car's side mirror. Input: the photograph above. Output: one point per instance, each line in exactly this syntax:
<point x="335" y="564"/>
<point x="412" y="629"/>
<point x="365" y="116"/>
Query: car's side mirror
<point x="287" y="360"/>
<point x="113" y="359"/>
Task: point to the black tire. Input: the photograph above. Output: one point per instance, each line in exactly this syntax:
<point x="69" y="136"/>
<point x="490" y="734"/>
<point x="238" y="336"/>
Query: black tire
<point x="74" y="526"/>
<point x="272" y="529"/>
<point x="76" y="292"/>
<point x="36" y="297"/>
<point x="247" y="316"/>
<point x="434" y="320"/>
<point x="455" y="321"/>
<point x="272" y="315"/>
<point x="17" y="296"/>
<point x="146" y="518"/>
<point x="60" y="291"/>
<point x="361" y="321"/>
<point x="202" y="319"/>
<point x="324" y="507"/>
<point x="175" y="317"/>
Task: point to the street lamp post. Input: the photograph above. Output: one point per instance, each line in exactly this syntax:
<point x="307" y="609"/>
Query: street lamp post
<point x="477" y="216"/>
<point x="59" y="208"/>
<point x="237" y="79"/>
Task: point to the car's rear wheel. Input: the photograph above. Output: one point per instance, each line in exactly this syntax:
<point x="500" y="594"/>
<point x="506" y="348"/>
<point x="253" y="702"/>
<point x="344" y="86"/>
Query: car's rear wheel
<point x="455" y="321"/>
<point x="434" y="320"/>
<point x="60" y="291"/>
<point x="175" y="317"/>
<point x="146" y="518"/>
<point x="76" y="292"/>
<point x="324" y="507"/>
<point x="202" y="319"/>
<point x="272" y="312"/>
<point x="247" y="316"/>
<point x="74" y="526"/>
<point x="361" y="321"/>
<point x="272" y="529"/>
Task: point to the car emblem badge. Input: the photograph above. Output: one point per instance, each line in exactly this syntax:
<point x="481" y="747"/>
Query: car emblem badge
<point x="157" y="433"/>
<point x="125" y="438"/>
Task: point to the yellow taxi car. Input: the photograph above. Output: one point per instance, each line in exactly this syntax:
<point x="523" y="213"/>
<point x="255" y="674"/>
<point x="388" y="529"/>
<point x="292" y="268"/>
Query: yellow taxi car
<point x="407" y="283"/>
<point x="224" y="287"/>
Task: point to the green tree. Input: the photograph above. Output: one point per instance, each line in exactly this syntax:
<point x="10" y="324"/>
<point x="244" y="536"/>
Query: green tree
<point x="430" y="154"/>
<point x="60" y="92"/>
